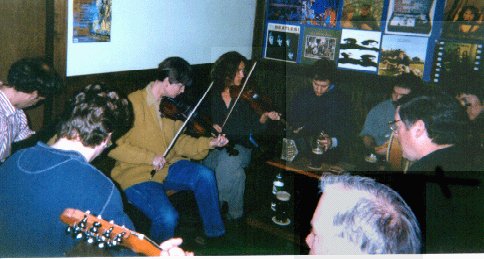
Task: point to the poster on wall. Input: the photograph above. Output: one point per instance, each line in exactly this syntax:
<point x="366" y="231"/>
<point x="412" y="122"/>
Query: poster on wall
<point x="410" y="17"/>
<point x="463" y="19"/>
<point x="312" y="12"/>
<point x="402" y="54"/>
<point x="359" y="50"/>
<point x="362" y="14"/>
<point x="456" y="60"/>
<point x="320" y="43"/>
<point x="282" y="42"/>
<point x="288" y="10"/>
<point x="92" y="21"/>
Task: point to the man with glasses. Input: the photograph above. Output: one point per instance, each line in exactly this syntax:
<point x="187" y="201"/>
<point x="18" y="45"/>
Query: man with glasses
<point x="29" y="81"/>
<point x="375" y="133"/>
<point x="431" y="128"/>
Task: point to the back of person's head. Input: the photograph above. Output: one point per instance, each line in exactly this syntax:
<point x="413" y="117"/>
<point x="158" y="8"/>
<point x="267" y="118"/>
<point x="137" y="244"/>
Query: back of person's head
<point x="226" y="66"/>
<point x="177" y="69"/>
<point x="408" y="81"/>
<point x="378" y="222"/>
<point x="93" y="114"/>
<point x="322" y="70"/>
<point x="34" y="74"/>
<point x="444" y="118"/>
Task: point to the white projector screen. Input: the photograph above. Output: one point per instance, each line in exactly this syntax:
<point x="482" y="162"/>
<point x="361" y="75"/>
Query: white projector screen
<point x="144" y="32"/>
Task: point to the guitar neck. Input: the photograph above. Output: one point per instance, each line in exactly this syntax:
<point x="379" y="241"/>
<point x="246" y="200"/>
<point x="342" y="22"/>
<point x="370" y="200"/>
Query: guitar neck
<point x="139" y="243"/>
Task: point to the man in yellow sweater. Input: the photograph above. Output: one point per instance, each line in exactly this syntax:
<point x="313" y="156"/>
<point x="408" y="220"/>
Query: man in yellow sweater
<point x="141" y="150"/>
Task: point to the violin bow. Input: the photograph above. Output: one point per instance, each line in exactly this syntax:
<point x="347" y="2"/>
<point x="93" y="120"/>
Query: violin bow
<point x="240" y="93"/>
<point x="170" y="146"/>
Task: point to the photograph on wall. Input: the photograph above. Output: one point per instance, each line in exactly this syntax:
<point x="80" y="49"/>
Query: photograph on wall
<point x="463" y="19"/>
<point x="92" y="21"/>
<point x="456" y="60"/>
<point x="359" y="50"/>
<point x="410" y="17"/>
<point x="284" y="10"/>
<point x="282" y="42"/>
<point x="320" y="43"/>
<point x="402" y="54"/>
<point x="362" y="14"/>
<point x="319" y="12"/>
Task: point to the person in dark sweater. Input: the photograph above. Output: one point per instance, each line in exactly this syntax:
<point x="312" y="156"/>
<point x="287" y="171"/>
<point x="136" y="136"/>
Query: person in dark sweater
<point x="321" y="108"/>
<point x="228" y="73"/>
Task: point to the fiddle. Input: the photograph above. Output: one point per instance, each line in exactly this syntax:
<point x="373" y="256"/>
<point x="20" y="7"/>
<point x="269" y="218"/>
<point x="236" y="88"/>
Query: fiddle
<point x="260" y="104"/>
<point x="198" y="125"/>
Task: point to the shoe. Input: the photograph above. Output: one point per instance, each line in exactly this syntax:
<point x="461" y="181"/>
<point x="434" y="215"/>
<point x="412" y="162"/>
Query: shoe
<point x="209" y="241"/>
<point x="201" y="240"/>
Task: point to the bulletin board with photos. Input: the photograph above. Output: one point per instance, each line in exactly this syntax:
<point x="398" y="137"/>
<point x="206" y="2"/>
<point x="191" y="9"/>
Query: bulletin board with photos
<point x="429" y="38"/>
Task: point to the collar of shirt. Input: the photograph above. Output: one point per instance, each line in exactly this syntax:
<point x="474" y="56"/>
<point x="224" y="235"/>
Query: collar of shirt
<point x="6" y="106"/>
<point x="151" y="100"/>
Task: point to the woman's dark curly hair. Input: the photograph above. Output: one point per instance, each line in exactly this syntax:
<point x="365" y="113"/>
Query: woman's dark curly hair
<point x="34" y="74"/>
<point x="225" y="68"/>
<point x="93" y="114"/>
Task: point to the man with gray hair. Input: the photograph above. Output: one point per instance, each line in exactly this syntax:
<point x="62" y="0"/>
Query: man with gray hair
<point x="356" y="215"/>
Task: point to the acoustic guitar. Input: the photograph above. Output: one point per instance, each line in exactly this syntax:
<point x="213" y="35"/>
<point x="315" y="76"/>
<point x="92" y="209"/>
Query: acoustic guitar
<point x="104" y="234"/>
<point x="394" y="155"/>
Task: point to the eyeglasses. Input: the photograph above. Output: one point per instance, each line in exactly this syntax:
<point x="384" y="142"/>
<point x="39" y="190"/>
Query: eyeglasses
<point x="393" y="125"/>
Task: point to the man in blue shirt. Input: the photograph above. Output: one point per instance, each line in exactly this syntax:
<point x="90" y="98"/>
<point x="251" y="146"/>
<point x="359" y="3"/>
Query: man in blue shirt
<point x="376" y="133"/>
<point x="40" y="182"/>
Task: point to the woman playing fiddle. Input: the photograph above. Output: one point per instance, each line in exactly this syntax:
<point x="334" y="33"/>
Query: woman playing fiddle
<point x="227" y="74"/>
<point x="144" y="147"/>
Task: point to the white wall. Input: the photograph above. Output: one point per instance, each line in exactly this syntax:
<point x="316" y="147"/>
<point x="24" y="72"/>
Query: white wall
<point x="144" y="32"/>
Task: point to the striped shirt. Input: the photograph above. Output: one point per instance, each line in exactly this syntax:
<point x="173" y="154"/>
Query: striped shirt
<point x="13" y="126"/>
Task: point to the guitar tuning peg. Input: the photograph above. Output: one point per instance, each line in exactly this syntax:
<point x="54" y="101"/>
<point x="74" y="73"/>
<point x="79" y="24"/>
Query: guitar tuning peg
<point x="83" y="222"/>
<point x="89" y="238"/>
<point x="79" y="235"/>
<point x="107" y="234"/>
<point x="97" y="224"/>
<point x="94" y="229"/>
<point x="101" y="244"/>
<point x="99" y="217"/>
<point x="69" y="229"/>
<point x="88" y="212"/>
<point x="112" y="243"/>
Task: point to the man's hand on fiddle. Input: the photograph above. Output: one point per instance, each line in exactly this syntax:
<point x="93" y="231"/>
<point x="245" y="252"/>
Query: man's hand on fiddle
<point x="275" y="116"/>
<point x="158" y="162"/>
<point x="219" y="141"/>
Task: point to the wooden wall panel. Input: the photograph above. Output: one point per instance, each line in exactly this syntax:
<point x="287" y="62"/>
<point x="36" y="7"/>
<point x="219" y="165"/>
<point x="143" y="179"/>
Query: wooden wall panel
<point x="22" y="33"/>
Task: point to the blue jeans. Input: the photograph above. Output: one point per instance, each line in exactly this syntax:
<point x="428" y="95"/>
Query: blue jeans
<point x="151" y="199"/>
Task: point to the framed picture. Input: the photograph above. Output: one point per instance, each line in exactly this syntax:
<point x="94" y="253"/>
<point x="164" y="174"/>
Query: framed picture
<point x="410" y="17"/>
<point x="463" y="19"/>
<point x="282" y="42"/>
<point x="402" y="54"/>
<point x="359" y="50"/>
<point x="320" y="43"/>
<point x="362" y="14"/>
<point x="454" y="60"/>
<point x="92" y="21"/>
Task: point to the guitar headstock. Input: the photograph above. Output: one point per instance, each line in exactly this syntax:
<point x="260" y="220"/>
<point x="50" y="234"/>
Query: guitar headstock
<point x="106" y="234"/>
